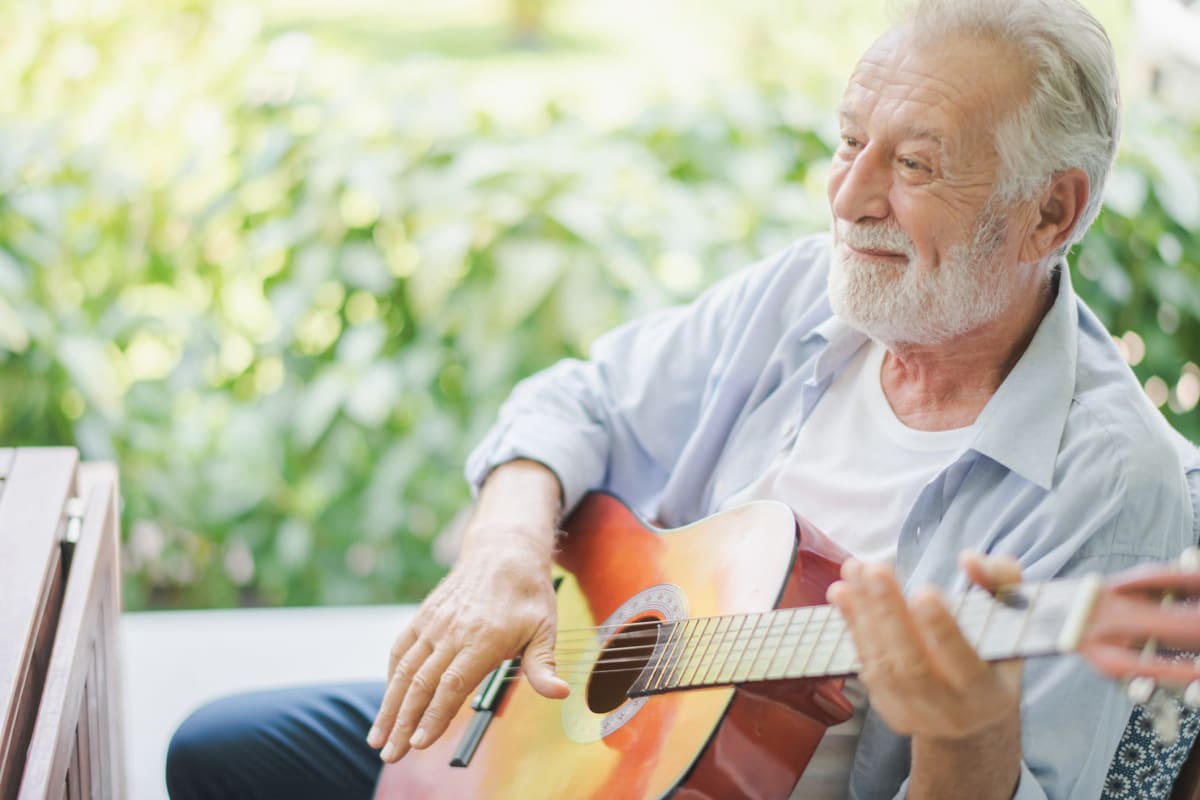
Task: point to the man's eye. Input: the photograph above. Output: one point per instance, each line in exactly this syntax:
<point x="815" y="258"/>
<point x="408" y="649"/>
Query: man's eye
<point x="913" y="164"/>
<point x="850" y="141"/>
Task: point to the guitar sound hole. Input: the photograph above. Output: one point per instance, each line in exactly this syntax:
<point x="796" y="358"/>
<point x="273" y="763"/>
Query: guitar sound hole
<point x="620" y="663"/>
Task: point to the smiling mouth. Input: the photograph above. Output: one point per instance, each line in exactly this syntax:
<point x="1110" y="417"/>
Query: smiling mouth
<point x="872" y="253"/>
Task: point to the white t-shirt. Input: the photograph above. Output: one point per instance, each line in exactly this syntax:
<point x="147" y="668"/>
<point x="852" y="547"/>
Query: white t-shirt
<point x="854" y="471"/>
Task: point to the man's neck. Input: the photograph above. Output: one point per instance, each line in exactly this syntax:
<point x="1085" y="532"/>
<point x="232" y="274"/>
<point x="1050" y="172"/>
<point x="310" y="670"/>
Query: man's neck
<point x="945" y="386"/>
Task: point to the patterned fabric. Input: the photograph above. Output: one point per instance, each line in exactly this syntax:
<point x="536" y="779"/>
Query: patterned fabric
<point x="1145" y="768"/>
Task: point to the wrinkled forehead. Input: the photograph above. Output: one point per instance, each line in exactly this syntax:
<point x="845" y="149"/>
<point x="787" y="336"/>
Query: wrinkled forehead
<point x="953" y="89"/>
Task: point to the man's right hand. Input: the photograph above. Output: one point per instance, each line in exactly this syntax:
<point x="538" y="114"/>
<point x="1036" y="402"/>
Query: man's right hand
<point x="496" y="603"/>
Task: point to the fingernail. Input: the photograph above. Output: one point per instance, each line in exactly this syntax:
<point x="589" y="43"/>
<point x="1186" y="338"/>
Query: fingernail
<point x="373" y="736"/>
<point x="418" y="738"/>
<point x="388" y="752"/>
<point x="835" y="589"/>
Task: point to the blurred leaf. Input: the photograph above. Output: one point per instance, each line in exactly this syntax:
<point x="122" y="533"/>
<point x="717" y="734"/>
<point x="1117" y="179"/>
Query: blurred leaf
<point x="1126" y="191"/>
<point x="287" y="289"/>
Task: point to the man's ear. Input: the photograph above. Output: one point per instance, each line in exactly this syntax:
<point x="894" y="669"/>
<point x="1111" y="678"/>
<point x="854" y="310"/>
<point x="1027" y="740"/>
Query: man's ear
<point x="1060" y="206"/>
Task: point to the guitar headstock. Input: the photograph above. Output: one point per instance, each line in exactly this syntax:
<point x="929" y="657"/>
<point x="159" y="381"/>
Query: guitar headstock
<point x="1145" y="629"/>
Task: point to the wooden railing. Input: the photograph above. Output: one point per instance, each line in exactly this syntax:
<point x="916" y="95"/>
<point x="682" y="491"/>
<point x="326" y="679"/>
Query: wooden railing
<point x="59" y="601"/>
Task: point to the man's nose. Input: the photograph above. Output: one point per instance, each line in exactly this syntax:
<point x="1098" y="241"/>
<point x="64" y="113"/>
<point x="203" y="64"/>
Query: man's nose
<point x="862" y="192"/>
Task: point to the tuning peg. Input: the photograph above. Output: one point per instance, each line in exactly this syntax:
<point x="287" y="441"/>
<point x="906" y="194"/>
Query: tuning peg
<point x="1189" y="560"/>
<point x="1140" y="689"/>
<point x="1164" y="713"/>
<point x="1191" y="695"/>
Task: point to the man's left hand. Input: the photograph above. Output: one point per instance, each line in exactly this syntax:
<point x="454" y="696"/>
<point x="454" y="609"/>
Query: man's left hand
<point x="922" y="676"/>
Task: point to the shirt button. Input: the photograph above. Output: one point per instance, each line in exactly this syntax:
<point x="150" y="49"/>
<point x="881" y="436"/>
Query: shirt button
<point x="719" y="487"/>
<point x="789" y="430"/>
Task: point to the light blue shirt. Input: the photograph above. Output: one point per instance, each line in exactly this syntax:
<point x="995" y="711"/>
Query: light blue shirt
<point x="1071" y="469"/>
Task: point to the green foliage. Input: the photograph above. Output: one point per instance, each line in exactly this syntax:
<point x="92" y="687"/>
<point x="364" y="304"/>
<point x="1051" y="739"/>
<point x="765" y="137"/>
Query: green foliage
<point x="286" y="292"/>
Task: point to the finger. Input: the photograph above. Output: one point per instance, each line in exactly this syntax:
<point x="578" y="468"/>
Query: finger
<point x="882" y="615"/>
<point x="990" y="572"/>
<point x="841" y="596"/>
<point x="421" y="689"/>
<point x="949" y="650"/>
<point x="1156" y="580"/>
<point x="851" y="569"/>
<point x="457" y="681"/>
<point x="538" y="663"/>
<point x="838" y="594"/>
<point x="404" y="642"/>
<point x="1119" y="619"/>
<point x="1122" y="663"/>
<point x="398" y="682"/>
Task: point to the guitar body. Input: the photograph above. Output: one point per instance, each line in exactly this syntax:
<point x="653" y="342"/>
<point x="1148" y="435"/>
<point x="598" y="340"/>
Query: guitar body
<point x="752" y="740"/>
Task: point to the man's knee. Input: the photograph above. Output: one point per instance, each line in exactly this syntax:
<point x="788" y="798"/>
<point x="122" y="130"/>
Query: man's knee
<point x="202" y="758"/>
<point x="302" y="742"/>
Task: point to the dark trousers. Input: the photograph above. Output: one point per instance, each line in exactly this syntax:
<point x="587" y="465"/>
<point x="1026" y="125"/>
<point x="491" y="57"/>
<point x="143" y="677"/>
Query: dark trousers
<point x="307" y="742"/>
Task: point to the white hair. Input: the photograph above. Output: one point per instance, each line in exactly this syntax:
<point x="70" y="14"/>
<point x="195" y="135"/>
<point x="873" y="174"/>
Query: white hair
<point x="1071" y="117"/>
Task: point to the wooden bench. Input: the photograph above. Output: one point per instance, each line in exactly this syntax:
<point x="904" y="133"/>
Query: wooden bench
<point x="59" y="602"/>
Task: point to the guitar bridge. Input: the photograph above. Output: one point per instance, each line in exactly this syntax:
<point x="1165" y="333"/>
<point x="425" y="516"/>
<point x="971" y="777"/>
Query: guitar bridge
<point x="486" y="700"/>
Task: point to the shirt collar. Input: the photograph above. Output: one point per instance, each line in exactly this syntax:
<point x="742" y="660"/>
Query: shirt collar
<point x="1022" y="424"/>
<point x="1021" y="427"/>
<point x="842" y="341"/>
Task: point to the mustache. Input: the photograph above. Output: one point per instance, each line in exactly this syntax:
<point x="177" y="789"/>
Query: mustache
<point x="875" y="236"/>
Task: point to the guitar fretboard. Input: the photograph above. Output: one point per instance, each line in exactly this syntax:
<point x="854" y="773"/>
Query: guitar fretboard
<point x="814" y="642"/>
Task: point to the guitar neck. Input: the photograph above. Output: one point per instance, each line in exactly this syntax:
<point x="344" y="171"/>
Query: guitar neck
<point x="814" y="642"/>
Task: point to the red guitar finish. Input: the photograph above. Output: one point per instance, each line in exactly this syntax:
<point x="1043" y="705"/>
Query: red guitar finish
<point x="751" y="741"/>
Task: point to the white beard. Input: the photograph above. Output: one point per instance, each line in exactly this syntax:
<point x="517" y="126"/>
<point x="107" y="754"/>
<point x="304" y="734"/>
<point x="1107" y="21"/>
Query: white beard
<point x="896" y="304"/>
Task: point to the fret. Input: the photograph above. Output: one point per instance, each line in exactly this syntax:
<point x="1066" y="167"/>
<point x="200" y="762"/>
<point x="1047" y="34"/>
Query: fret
<point x="812" y="642"/>
<point x="704" y="663"/>
<point x="844" y="659"/>
<point x="1023" y="621"/>
<point x="819" y="637"/>
<point x="757" y="670"/>
<point x="969" y="613"/>
<point x="688" y="671"/>
<point x="716" y="639"/>
<point x="840" y="626"/>
<point x="959" y="602"/>
<point x="681" y="674"/>
<point x="661" y="678"/>
<point x="811" y="663"/>
<point x="744" y="650"/>
<point x="779" y="647"/>
<point x="802" y="648"/>
<point x="713" y="651"/>
<point x="1037" y="592"/>
<point x="773" y="635"/>
<point x="1046" y="624"/>
<point x="802" y="643"/>
<point x="1004" y="622"/>
<point x="987" y="618"/>
<point x="722" y="676"/>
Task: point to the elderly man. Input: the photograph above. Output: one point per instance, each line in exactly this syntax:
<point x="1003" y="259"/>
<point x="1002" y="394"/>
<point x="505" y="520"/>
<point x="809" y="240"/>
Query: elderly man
<point x="921" y="382"/>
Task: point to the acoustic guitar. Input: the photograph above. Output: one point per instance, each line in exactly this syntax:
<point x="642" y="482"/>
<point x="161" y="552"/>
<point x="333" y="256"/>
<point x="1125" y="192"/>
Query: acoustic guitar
<point x="704" y="663"/>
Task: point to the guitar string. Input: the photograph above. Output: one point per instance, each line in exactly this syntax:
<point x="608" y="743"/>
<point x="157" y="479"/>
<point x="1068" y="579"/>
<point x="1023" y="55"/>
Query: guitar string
<point x="607" y="665"/>
<point x="786" y="634"/>
<point x="588" y="634"/>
